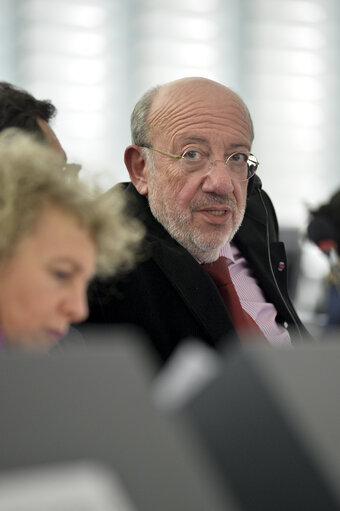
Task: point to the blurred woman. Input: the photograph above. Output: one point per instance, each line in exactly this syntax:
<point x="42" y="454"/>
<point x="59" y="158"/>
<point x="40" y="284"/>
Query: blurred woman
<point x="55" y="235"/>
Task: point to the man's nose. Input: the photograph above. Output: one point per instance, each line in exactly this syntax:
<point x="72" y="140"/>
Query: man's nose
<point x="218" y="179"/>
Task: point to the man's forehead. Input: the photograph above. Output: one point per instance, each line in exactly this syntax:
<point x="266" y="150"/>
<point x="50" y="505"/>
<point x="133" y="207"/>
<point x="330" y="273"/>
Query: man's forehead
<point x="197" y="103"/>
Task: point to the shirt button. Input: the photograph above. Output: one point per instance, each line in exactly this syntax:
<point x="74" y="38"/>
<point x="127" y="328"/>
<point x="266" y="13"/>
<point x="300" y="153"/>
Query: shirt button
<point x="281" y="266"/>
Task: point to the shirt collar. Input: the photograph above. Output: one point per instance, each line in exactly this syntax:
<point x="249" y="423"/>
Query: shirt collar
<point x="226" y="251"/>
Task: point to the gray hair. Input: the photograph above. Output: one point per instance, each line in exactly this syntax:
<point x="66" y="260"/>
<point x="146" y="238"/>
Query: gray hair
<point x="31" y="179"/>
<point x="140" y="133"/>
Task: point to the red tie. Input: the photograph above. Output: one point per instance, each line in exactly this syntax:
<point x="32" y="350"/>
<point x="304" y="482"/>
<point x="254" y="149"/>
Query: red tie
<point x="243" y="323"/>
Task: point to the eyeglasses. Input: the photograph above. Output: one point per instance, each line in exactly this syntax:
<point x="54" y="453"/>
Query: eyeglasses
<point x="240" y="165"/>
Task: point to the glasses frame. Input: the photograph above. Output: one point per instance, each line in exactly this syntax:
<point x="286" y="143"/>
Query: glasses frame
<point x="212" y="163"/>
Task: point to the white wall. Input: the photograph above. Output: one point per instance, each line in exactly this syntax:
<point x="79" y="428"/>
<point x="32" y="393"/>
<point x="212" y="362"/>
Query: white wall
<point x="94" y="58"/>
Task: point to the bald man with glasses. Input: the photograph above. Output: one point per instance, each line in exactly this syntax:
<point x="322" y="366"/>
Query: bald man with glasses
<point x="213" y="267"/>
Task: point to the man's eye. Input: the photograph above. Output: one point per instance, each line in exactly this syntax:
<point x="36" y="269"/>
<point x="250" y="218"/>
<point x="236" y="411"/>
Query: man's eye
<point x="193" y="155"/>
<point x="239" y="158"/>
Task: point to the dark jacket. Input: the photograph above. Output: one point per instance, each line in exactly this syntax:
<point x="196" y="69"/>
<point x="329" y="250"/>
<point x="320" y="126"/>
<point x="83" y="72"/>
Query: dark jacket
<point x="171" y="297"/>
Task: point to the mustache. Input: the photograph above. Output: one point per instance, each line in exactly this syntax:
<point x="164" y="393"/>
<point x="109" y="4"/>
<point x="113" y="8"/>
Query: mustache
<point x="211" y="199"/>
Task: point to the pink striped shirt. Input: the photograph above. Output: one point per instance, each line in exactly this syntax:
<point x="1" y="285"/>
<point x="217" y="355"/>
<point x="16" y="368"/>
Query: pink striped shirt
<point x="252" y="298"/>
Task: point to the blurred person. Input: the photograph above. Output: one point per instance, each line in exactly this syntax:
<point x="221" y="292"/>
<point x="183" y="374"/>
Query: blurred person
<point x="193" y="184"/>
<point x="20" y="109"/>
<point x="55" y="235"/>
<point x="324" y="231"/>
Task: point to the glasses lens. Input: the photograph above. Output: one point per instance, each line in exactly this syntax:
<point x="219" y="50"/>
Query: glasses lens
<point x="193" y="160"/>
<point x="237" y="163"/>
<point x="240" y="165"/>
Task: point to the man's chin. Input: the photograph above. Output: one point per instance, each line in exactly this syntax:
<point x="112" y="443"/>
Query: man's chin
<point x="200" y="243"/>
<point x="206" y="251"/>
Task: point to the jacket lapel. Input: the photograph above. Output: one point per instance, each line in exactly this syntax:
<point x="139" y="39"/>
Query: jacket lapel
<point x="195" y="287"/>
<point x="185" y="274"/>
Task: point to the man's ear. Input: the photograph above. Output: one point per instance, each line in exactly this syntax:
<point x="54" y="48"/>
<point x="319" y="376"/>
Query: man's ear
<point x="136" y="165"/>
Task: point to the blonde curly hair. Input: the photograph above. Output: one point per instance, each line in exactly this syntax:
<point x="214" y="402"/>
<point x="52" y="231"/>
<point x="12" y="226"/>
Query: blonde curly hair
<point x="31" y="177"/>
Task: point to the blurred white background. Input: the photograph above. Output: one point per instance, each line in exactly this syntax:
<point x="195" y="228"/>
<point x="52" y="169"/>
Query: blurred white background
<point x="94" y="58"/>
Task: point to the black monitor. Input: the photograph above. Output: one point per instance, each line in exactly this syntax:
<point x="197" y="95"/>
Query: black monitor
<point x="271" y="421"/>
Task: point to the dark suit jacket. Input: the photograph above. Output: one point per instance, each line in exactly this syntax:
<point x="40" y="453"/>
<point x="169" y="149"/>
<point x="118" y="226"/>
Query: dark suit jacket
<point x="171" y="297"/>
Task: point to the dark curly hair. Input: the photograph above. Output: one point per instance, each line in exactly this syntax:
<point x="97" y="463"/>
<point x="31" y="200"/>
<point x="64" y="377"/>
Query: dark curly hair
<point x="19" y="109"/>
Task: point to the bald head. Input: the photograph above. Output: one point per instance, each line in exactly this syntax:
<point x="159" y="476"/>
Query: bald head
<point x="157" y="104"/>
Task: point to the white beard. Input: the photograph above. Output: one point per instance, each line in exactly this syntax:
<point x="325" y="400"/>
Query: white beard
<point x="202" y="246"/>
